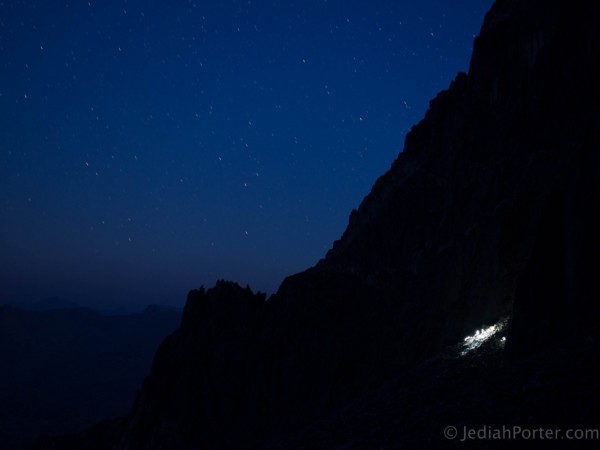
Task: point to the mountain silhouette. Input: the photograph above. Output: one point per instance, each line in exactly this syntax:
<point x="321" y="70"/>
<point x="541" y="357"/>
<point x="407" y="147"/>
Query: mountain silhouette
<point x="51" y="303"/>
<point x="65" y="369"/>
<point x="490" y="215"/>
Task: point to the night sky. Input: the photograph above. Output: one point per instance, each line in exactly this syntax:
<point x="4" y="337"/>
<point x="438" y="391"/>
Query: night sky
<point x="150" y="147"/>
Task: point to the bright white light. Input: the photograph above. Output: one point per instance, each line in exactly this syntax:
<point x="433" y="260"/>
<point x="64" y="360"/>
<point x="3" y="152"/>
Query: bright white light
<point x="472" y="342"/>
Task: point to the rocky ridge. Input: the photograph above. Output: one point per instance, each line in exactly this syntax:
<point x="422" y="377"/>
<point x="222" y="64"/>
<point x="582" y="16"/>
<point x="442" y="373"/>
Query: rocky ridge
<point x="492" y="209"/>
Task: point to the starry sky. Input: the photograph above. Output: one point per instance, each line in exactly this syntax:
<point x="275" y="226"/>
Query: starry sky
<point x="150" y="147"/>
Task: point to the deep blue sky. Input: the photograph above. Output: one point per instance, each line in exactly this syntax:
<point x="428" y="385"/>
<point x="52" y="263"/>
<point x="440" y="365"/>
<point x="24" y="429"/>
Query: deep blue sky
<point x="149" y="147"/>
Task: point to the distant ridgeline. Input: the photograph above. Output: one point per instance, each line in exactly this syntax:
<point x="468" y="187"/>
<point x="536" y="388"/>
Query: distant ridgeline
<point x="63" y="367"/>
<point x="491" y="210"/>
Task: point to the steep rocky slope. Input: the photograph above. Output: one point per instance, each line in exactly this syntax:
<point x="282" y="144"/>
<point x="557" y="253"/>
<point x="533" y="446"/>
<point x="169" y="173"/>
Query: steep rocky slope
<point x="491" y="209"/>
<point x="500" y="177"/>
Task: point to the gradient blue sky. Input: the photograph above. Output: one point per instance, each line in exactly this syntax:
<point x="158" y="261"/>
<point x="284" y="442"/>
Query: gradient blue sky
<point x="149" y="147"/>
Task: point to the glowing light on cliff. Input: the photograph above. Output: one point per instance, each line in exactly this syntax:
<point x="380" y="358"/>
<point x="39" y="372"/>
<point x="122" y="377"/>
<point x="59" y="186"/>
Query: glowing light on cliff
<point x="475" y="341"/>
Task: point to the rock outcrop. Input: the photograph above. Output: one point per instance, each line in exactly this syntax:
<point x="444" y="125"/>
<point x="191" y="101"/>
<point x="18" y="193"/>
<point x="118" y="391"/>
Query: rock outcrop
<point x="492" y="208"/>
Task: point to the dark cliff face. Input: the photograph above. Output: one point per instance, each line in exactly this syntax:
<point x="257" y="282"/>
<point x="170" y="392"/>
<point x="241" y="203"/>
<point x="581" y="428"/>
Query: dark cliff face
<point x="507" y="156"/>
<point x="198" y="388"/>
<point x="493" y="208"/>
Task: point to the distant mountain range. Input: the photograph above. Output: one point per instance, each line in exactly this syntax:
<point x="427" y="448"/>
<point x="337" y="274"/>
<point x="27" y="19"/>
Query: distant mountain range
<point x="50" y="303"/>
<point x="63" y="367"/>
<point x="54" y="303"/>
<point x="490" y="215"/>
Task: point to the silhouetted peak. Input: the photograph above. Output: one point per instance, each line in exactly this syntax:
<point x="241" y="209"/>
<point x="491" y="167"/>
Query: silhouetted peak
<point x="224" y="298"/>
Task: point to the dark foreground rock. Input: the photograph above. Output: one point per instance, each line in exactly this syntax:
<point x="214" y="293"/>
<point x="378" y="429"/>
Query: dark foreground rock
<point x="492" y="209"/>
